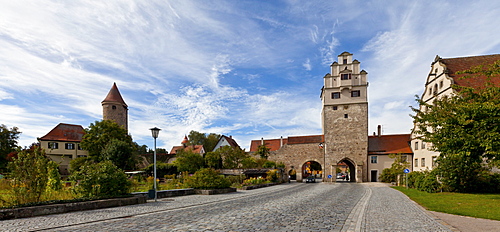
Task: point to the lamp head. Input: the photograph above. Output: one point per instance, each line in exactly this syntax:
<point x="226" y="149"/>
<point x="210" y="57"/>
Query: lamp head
<point x="155" y="131"/>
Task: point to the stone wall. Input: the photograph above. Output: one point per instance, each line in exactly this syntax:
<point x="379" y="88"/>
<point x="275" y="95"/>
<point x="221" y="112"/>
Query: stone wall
<point x="295" y="155"/>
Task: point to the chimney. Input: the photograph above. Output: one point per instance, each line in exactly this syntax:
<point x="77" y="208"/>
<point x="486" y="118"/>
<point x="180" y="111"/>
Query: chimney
<point x="230" y="136"/>
<point x="262" y="141"/>
<point x="281" y="141"/>
<point x="379" y="130"/>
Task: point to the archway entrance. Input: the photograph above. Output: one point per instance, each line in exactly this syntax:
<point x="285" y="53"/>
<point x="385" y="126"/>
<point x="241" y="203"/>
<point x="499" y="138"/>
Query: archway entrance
<point x="312" y="168"/>
<point x="348" y="170"/>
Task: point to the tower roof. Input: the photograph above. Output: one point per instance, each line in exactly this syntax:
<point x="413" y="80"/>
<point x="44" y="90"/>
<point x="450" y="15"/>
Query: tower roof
<point x="114" y="96"/>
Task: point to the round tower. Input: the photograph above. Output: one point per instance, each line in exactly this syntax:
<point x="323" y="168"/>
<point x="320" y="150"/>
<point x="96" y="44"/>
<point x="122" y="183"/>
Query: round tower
<point x="114" y="107"/>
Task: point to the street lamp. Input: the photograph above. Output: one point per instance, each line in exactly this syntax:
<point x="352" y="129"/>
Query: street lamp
<point x="155" y="131"/>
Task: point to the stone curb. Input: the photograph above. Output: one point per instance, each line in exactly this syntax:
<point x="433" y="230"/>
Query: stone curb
<point x="34" y="211"/>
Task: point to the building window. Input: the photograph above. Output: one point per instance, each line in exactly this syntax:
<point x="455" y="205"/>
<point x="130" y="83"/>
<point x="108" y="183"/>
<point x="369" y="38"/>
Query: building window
<point x="403" y="158"/>
<point x="374" y="159"/>
<point x="344" y="61"/>
<point x="346" y="116"/>
<point x="53" y="145"/>
<point x="335" y="108"/>
<point x="416" y="145"/>
<point x="336" y="95"/>
<point x="441" y="84"/>
<point x="79" y="147"/>
<point x="355" y="93"/>
<point x="416" y="162"/>
<point x="81" y="156"/>
<point x="346" y="76"/>
<point x="430" y="91"/>
<point x="436" y="89"/>
<point x="69" y="146"/>
<point x="423" y="145"/>
<point x="434" y="161"/>
<point x="423" y="162"/>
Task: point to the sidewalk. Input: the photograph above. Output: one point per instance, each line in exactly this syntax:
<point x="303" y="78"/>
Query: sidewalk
<point x="457" y="222"/>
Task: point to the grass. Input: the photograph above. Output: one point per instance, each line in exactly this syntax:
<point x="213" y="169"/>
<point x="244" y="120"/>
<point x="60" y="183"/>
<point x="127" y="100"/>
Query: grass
<point x="466" y="204"/>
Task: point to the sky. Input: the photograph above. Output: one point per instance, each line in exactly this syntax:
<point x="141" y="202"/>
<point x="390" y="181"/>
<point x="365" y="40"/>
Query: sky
<point x="249" y="69"/>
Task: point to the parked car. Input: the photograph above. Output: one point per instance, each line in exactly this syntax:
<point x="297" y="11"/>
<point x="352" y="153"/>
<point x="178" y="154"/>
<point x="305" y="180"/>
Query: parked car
<point x="310" y="179"/>
<point x="341" y="176"/>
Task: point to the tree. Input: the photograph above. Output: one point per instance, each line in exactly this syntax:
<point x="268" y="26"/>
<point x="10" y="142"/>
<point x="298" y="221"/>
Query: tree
<point x="397" y="168"/>
<point x="188" y="161"/>
<point x="464" y="128"/>
<point x="121" y="154"/>
<point x="231" y="157"/>
<point x="32" y="174"/>
<point x="213" y="160"/>
<point x="208" y="141"/>
<point x="8" y="143"/>
<point x="100" y="134"/>
<point x="263" y="151"/>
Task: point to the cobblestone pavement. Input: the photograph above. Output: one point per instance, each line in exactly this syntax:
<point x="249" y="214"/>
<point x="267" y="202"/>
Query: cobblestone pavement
<point x="286" y="207"/>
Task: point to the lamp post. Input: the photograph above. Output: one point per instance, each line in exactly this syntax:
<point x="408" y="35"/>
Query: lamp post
<point x="155" y="131"/>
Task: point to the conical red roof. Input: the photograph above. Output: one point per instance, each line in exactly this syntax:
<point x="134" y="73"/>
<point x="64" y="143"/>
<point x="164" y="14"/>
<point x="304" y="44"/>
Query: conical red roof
<point x="114" y="96"/>
<point x="185" y="140"/>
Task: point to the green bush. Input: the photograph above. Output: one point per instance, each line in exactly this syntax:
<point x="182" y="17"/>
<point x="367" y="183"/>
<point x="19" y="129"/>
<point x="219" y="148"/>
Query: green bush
<point x="207" y="178"/>
<point x="100" y="180"/>
<point x="30" y="173"/>
<point x="236" y="179"/>
<point x="273" y="175"/>
<point x="162" y="169"/>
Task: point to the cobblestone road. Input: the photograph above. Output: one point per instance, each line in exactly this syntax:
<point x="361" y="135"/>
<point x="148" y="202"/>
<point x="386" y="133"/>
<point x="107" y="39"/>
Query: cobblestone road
<point x="286" y="207"/>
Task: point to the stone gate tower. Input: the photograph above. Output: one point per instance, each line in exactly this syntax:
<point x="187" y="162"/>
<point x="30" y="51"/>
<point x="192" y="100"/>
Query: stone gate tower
<point x="114" y="107"/>
<point x="345" y="118"/>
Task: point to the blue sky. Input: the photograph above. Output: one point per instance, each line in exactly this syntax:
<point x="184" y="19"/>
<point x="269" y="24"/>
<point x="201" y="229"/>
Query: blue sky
<point x="249" y="69"/>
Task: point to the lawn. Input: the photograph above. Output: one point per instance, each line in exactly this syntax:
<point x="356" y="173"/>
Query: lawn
<point x="466" y="204"/>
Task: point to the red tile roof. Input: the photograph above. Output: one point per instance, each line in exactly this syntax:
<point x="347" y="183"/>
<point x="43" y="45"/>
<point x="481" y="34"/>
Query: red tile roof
<point x="114" y="96"/>
<point x="389" y="144"/>
<point x="193" y="148"/>
<point x="65" y="132"/>
<point x="455" y="65"/>
<point x="274" y="144"/>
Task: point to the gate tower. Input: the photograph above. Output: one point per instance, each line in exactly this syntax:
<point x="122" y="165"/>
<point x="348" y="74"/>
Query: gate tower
<point x="345" y="118"/>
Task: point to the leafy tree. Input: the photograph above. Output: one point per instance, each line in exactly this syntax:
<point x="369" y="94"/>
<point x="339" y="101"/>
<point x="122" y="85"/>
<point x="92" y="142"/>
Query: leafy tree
<point x="8" y="143"/>
<point x="213" y="160"/>
<point x="397" y="168"/>
<point x="102" y="179"/>
<point x="30" y="173"/>
<point x="262" y="151"/>
<point x="232" y="157"/>
<point x="100" y="134"/>
<point x="249" y="162"/>
<point x="188" y="161"/>
<point x="121" y="154"/>
<point x="208" y="141"/>
<point x="464" y="128"/>
<point x="162" y="169"/>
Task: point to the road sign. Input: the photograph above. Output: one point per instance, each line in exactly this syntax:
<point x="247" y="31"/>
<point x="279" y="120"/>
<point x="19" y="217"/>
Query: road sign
<point x="329" y="176"/>
<point x="407" y="170"/>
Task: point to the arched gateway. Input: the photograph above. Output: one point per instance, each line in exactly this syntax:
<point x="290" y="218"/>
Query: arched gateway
<point x="344" y="122"/>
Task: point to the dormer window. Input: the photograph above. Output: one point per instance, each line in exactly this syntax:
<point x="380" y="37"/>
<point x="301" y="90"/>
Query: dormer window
<point x="346" y="76"/>
<point x="344" y="61"/>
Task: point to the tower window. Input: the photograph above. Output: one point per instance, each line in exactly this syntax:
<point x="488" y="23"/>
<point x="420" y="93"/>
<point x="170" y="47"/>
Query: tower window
<point x="355" y="93"/>
<point x="336" y="95"/>
<point x="113" y="107"/>
<point x="345" y="76"/>
<point x="346" y="116"/>
<point x="335" y="108"/>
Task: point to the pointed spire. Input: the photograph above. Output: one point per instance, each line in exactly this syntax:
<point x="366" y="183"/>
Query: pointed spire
<point x="114" y="96"/>
<point x="185" y="141"/>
